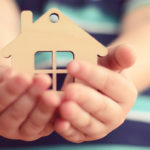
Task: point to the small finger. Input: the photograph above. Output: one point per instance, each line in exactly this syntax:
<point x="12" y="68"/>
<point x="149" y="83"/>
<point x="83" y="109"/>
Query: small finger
<point x="82" y="120"/>
<point x="19" y="111"/>
<point x="41" y="115"/>
<point x="95" y="103"/>
<point x="104" y="80"/>
<point x="42" y="81"/>
<point x="12" y="89"/>
<point x="67" y="131"/>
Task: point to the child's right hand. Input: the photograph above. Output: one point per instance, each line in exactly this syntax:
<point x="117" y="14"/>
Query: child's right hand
<point x="26" y="106"/>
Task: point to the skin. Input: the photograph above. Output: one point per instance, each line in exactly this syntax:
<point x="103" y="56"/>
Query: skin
<point x="87" y="110"/>
<point x="22" y="106"/>
<point x="23" y="102"/>
<point x="134" y="31"/>
<point x="8" y="32"/>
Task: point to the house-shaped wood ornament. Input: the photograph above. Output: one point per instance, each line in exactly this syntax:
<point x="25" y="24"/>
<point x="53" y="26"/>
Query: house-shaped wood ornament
<point x="52" y="38"/>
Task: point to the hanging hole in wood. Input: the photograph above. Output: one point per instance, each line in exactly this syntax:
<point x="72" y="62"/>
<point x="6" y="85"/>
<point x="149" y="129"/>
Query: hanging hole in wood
<point x="54" y="18"/>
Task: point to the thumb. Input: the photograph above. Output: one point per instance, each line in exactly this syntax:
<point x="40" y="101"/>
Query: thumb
<point x="118" y="58"/>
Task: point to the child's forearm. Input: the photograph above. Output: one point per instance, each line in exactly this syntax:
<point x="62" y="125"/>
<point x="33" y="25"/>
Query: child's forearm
<point x="9" y="25"/>
<point x="9" y="21"/>
<point x="136" y="31"/>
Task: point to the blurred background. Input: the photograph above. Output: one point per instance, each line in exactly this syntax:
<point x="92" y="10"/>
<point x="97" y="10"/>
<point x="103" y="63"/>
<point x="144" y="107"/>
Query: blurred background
<point x="102" y="21"/>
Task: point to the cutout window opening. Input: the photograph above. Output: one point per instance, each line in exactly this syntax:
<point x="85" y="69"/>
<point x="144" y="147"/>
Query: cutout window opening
<point x="43" y="60"/>
<point x="56" y="70"/>
<point x="63" y="59"/>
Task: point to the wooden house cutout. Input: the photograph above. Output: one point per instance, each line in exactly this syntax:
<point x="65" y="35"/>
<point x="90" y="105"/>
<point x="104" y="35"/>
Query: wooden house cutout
<point x="44" y="35"/>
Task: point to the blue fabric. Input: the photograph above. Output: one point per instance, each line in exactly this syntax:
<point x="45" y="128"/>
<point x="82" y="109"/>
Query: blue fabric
<point x="113" y="6"/>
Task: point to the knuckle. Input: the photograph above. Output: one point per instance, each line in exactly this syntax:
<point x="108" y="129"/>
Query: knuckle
<point x="30" y="131"/>
<point x="103" y="106"/>
<point x="78" y="92"/>
<point x="17" y="114"/>
<point x="34" y="125"/>
<point x="88" y="125"/>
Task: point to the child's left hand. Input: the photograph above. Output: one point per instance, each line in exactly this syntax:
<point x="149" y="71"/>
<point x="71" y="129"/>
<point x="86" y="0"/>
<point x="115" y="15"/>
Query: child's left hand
<point x="92" y="110"/>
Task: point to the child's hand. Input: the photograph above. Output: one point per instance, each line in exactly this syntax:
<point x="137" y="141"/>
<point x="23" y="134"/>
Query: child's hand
<point x="91" y="111"/>
<point x="26" y="108"/>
